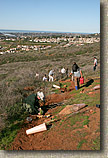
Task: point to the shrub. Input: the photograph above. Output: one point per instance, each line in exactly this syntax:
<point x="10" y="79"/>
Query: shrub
<point x="15" y="112"/>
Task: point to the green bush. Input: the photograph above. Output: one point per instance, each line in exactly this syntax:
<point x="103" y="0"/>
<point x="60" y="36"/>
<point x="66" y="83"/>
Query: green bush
<point x="8" y="134"/>
<point x="15" y="112"/>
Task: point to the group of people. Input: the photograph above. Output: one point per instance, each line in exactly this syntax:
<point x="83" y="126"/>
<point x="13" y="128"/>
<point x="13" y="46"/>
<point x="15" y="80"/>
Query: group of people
<point x="34" y="103"/>
<point x="75" y="74"/>
<point x="50" y="77"/>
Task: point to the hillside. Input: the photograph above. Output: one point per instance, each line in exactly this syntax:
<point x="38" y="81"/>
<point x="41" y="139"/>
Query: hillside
<point x="79" y="131"/>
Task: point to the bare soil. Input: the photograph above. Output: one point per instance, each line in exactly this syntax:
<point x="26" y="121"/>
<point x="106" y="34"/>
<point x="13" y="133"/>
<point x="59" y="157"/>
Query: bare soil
<point x="61" y="135"/>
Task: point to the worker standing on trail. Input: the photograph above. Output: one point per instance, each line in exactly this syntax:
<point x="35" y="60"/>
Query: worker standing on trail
<point x="95" y="63"/>
<point x="77" y="74"/>
<point x="63" y="71"/>
<point x="74" y="69"/>
<point x="51" y="73"/>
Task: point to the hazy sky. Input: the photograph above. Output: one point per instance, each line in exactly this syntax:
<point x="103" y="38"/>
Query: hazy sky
<point x="51" y="15"/>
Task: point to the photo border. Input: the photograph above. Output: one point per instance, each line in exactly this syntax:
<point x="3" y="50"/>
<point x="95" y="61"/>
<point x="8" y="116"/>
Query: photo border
<point x="103" y="153"/>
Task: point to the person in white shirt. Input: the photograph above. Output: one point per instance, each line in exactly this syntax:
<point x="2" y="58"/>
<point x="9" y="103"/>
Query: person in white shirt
<point x="45" y="78"/>
<point x="51" y="73"/>
<point x="95" y="63"/>
<point x="63" y="71"/>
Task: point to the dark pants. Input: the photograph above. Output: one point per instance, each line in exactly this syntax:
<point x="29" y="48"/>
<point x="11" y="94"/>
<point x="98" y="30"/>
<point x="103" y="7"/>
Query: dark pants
<point x="62" y="75"/>
<point x="78" y="80"/>
<point x="94" y="68"/>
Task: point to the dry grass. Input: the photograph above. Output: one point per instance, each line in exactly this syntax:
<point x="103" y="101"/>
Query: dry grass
<point x="18" y="70"/>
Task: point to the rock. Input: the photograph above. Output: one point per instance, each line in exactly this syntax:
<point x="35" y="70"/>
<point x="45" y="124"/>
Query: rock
<point x="91" y="110"/>
<point x="29" y="88"/>
<point x="90" y="92"/>
<point x="96" y="87"/>
<point x="72" y="108"/>
<point x="85" y="126"/>
<point x="64" y="86"/>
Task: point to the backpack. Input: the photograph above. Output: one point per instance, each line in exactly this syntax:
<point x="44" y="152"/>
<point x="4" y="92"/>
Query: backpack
<point x="75" y="67"/>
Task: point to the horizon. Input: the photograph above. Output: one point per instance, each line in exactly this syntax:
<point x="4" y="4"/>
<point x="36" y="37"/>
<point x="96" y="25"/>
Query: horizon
<point x="30" y="31"/>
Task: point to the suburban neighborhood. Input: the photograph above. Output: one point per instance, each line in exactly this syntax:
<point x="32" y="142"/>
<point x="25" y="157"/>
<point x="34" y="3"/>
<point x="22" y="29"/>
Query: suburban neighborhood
<point x="10" y="43"/>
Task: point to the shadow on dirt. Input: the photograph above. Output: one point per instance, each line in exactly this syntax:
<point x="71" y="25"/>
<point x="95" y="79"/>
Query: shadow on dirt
<point x="49" y="126"/>
<point x="51" y="106"/>
<point x="88" y="83"/>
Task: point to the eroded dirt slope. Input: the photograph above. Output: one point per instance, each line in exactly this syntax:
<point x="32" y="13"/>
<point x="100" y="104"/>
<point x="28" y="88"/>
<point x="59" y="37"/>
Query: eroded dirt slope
<point x="63" y="134"/>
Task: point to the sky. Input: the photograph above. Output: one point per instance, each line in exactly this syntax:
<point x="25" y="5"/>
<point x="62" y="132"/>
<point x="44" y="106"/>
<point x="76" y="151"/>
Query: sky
<point x="51" y="15"/>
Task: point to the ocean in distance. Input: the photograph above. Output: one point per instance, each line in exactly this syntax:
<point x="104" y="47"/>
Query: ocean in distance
<point x="32" y="31"/>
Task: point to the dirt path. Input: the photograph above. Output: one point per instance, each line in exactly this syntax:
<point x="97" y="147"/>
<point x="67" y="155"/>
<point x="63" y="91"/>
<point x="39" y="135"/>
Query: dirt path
<point x="62" y="135"/>
<point x="56" y="98"/>
<point x="58" y="137"/>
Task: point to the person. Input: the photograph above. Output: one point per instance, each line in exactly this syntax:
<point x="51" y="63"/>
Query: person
<point x="95" y="63"/>
<point x="41" y="98"/>
<point x="77" y="73"/>
<point x="33" y="102"/>
<point x="74" y="69"/>
<point x="63" y="71"/>
<point x="77" y="76"/>
<point x="40" y="95"/>
<point x="51" y="73"/>
<point x="45" y="78"/>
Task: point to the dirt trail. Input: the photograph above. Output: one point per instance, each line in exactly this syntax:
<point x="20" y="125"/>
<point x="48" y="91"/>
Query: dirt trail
<point x="56" y="98"/>
<point x="55" y="138"/>
<point x="60" y="136"/>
